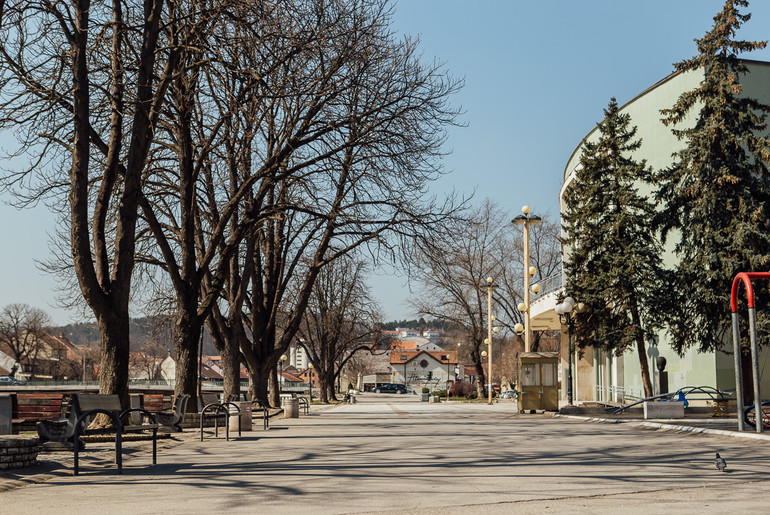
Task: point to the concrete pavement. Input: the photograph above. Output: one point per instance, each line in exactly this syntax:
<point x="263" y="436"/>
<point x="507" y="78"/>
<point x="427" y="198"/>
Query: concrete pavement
<point x="395" y="454"/>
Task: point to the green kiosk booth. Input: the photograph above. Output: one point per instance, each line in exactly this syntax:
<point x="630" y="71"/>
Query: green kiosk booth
<point x="538" y="383"/>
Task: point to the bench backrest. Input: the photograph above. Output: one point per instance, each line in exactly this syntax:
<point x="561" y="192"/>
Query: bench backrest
<point x="152" y="402"/>
<point x="204" y="399"/>
<point x="88" y="401"/>
<point x="38" y="406"/>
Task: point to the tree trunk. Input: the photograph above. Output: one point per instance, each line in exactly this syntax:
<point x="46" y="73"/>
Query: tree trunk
<point x="323" y="388"/>
<point x="482" y="380"/>
<point x="231" y="367"/>
<point x="258" y="384"/>
<point x="187" y="334"/>
<point x="113" y="377"/>
<point x="640" y="348"/>
<point x="275" y="391"/>
<point x="332" y="396"/>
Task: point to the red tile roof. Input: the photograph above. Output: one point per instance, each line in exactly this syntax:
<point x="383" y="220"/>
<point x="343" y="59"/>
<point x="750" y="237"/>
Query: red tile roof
<point x="445" y="357"/>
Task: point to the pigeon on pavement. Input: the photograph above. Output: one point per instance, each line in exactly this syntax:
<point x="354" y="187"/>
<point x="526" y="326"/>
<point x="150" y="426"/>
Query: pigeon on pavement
<point x="720" y="463"/>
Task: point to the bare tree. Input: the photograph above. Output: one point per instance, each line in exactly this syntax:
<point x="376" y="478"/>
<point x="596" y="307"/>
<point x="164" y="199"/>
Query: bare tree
<point x="364" y="121"/>
<point x="453" y="272"/>
<point x="341" y="316"/>
<point x="360" y="364"/>
<point x="146" y="363"/>
<point x="84" y="83"/>
<point x="452" y="269"/>
<point x="21" y="330"/>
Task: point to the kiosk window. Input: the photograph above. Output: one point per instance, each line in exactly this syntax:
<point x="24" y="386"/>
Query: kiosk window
<point x="549" y="374"/>
<point x="530" y="374"/>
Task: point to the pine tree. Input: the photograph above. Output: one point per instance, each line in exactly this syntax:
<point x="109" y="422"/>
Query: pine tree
<point x="716" y="192"/>
<point x="614" y="264"/>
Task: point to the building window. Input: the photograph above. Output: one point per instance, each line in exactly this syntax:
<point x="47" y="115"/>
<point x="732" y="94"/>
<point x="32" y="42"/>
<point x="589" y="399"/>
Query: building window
<point x="530" y="374"/>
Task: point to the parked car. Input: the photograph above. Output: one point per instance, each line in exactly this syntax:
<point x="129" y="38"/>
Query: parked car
<point x="390" y="388"/>
<point x="10" y="381"/>
<point x="509" y="394"/>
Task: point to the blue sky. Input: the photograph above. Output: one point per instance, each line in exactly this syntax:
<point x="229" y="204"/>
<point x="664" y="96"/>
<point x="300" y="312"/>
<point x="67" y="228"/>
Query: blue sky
<point x="537" y="75"/>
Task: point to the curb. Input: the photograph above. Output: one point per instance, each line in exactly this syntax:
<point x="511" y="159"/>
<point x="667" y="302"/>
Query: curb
<point x="667" y="427"/>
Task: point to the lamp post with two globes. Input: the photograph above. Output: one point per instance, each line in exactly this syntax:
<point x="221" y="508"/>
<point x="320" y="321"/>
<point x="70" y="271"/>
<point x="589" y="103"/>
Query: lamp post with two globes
<point x="488" y="341"/>
<point x="564" y="310"/>
<point x="526" y="220"/>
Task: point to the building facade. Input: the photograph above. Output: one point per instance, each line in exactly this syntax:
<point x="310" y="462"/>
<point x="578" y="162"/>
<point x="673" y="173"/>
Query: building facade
<point x="603" y="377"/>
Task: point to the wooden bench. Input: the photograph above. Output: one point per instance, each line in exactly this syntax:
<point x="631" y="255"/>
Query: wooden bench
<point x="30" y="408"/>
<point x="86" y="406"/>
<point x="152" y="402"/>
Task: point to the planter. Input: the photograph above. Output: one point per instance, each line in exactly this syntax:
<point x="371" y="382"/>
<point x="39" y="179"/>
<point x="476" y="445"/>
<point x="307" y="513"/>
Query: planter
<point x="424" y="397"/>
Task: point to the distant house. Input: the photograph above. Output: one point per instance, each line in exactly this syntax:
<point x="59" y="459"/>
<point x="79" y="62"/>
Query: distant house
<point x="50" y="357"/>
<point x="415" y="344"/>
<point x="431" y="335"/>
<point x="142" y="366"/>
<point x="407" y="333"/>
<point x="422" y="367"/>
<point x="208" y="372"/>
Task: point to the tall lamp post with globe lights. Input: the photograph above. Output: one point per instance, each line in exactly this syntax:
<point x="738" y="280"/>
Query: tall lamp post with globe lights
<point x="488" y="341"/>
<point x="284" y="357"/>
<point x="564" y="310"/>
<point x="526" y="220"/>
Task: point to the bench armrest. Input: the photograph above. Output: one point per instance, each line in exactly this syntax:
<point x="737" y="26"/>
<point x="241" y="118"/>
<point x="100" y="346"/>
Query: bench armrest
<point x="140" y="410"/>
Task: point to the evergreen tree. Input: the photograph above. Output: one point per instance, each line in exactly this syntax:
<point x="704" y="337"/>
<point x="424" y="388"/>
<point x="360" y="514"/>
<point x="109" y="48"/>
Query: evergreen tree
<point x="613" y="265"/>
<point x="716" y="192"/>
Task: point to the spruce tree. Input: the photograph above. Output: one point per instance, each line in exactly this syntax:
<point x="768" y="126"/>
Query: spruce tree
<point x="613" y="265"/>
<point x="716" y="193"/>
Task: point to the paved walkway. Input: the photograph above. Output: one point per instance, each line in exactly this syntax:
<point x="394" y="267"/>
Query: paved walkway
<point x="392" y="454"/>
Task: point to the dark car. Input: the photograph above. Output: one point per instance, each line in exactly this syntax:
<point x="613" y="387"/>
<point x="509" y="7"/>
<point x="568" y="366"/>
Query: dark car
<point x="390" y="388"/>
<point x="8" y="381"/>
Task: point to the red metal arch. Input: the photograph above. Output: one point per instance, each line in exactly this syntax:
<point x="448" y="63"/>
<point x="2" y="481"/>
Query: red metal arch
<point x="746" y="278"/>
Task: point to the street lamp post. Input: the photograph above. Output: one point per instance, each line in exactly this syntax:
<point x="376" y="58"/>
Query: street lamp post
<point x="526" y="220"/>
<point x="564" y="310"/>
<point x="490" y="318"/>
<point x="280" y="379"/>
<point x="310" y="376"/>
<point x="447" y="377"/>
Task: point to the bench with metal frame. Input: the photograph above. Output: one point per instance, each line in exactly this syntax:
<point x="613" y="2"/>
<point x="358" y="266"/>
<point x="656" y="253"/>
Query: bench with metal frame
<point x="30" y="408"/>
<point x="85" y="406"/>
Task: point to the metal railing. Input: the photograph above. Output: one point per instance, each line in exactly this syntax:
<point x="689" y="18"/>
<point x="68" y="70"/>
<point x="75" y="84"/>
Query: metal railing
<point x="551" y="283"/>
<point x="617" y="394"/>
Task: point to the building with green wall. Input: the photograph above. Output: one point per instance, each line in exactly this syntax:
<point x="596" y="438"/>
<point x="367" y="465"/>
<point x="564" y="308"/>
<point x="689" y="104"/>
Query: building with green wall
<point x="613" y="378"/>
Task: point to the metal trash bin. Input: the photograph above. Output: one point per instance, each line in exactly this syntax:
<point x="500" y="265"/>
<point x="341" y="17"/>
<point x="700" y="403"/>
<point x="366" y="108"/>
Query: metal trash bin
<point x="135" y="401"/>
<point x="290" y="408"/>
<point x="245" y="417"/>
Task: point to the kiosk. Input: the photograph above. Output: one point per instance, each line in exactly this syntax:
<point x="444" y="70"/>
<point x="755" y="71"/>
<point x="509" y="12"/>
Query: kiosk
<point x="538" y="381"/>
